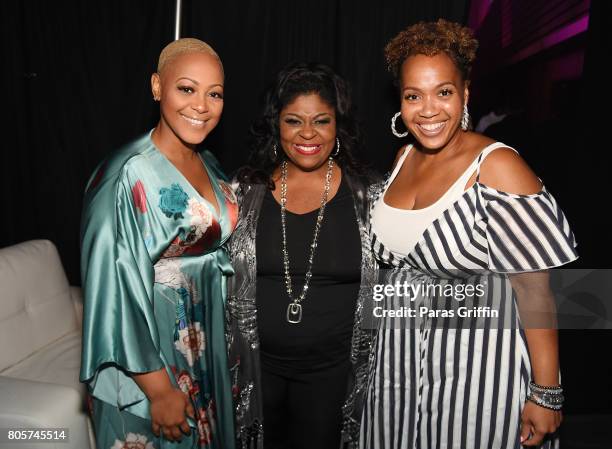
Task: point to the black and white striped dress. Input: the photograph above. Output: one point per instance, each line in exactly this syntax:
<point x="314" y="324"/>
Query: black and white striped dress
<point x="460" y="386"/>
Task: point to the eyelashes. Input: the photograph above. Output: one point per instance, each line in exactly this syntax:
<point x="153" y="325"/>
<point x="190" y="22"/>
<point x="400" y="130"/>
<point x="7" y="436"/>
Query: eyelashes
<point x="442" y="93"/>
<point x="190" y="90"/>
<point x="293" y="121"/>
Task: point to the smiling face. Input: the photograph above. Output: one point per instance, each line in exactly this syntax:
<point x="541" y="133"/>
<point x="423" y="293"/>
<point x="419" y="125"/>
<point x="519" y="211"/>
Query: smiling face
<point x="308" y="131"/>
<point x="433" y="93"/>
<point x="190" y="91"/>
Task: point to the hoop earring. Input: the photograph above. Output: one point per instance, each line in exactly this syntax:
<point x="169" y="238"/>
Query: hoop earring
<point x="465" y="118"/>
<point x="274" y="152"/>
<point x="393" y="130"/>
<point x="335" y="153"/>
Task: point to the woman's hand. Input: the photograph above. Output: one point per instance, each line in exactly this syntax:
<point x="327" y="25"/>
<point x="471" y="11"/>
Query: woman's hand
<point x="168" y="414"/>
<point x="536" y="422"/>
<point x="169" y="405"/>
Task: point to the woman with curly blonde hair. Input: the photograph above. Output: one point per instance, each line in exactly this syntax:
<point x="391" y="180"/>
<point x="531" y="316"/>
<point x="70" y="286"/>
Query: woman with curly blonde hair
<point x="461" y="209"/>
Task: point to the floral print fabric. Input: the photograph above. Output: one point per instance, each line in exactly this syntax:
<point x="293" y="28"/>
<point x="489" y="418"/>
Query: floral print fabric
<point x="171" y="282"/>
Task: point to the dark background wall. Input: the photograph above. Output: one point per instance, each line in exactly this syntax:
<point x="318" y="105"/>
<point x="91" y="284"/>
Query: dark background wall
<point x="76" y="86"/>
<point x="537" y="59"/>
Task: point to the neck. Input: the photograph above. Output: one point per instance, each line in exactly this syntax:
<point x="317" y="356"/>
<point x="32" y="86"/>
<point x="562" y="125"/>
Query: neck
<point x="452" y="146"/>
<point x="170" y="144"/>
<point x="295" y="174"/>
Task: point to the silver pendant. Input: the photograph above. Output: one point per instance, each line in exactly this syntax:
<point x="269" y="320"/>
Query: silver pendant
<point x="294" y="313"/>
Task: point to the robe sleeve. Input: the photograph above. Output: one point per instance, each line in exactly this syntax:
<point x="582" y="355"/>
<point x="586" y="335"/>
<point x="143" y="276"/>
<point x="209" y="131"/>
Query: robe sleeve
<point x="526" y="232"/>
<point x="119" y="329"/>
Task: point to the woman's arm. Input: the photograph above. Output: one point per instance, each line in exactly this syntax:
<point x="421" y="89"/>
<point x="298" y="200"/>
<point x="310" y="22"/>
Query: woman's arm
<point x="506" y="171"/>
<point x="537" y="308"/>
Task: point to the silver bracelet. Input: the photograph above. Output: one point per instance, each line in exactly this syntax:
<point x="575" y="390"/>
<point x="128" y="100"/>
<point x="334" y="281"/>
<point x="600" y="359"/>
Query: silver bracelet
<point x="550" y="397"/>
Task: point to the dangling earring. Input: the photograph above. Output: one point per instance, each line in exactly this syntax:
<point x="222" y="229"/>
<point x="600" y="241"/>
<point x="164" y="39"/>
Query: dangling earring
<point x="274" y="152"/>
<point x="465" y="118"/>
<point x="393" y="130"/>
<point x="337" y="148"/>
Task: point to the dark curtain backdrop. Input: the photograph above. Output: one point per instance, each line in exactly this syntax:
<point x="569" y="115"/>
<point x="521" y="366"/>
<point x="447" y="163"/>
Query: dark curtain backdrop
<point x="581" y="140"/>
<point x="76" y="80"/>
<point x="78" y="86"/>
<point x="257" y="38"/>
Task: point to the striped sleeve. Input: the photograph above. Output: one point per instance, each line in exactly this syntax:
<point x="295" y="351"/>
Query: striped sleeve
<point x="526" y="232"/>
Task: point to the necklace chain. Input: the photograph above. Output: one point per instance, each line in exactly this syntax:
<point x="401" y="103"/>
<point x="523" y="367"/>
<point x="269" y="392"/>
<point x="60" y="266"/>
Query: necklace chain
<point x="294" y="310"/>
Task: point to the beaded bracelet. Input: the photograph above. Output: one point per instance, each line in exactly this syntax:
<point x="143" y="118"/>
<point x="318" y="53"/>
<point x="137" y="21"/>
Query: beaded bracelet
<point x="550" y="397"/>
<point x="545" y="388"/>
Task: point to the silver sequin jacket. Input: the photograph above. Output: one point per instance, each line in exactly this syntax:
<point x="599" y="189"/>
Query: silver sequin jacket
<point x="241" y="315"/>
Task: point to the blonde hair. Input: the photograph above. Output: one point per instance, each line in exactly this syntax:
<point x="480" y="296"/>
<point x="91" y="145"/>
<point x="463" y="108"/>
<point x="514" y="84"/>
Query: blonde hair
<point x="181" y="47"/>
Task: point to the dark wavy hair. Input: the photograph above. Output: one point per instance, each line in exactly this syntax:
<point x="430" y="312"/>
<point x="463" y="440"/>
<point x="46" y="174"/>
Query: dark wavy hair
<point x="292" y="81"/>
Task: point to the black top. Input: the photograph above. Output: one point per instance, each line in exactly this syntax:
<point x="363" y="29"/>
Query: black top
<point x="323" y="337"/>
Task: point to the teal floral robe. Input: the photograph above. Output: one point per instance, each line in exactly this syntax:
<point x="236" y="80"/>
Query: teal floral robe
<point x="154" y="273"/>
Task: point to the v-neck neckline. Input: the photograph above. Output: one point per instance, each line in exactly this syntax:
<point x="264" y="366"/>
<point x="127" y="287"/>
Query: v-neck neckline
<point x="219" y="198"/>
<point x="463" y="178"/>
<point x="406" y="258"/>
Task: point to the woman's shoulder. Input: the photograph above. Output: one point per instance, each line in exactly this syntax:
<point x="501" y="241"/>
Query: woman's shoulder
<point x="122" y="163"/>
<point x="363" y="186"/>
<point x="506" y="171"/>
<point x="362" y="178"/>
<point x="502" y="168"/>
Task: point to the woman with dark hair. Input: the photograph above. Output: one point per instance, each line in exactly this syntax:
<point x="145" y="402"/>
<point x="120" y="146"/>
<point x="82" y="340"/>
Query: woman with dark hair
<point x="460" y="210"/>
<point x="303" y="268"/>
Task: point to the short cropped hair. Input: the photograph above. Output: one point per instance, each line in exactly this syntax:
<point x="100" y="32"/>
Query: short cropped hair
<point x="184" y="46"/>
<point x="430" y="39"/>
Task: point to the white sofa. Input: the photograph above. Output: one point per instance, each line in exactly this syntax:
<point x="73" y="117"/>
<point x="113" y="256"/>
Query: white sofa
<point x="40" y="346"/>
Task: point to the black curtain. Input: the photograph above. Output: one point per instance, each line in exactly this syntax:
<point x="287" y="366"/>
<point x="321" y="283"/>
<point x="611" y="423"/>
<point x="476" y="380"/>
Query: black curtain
<point x="257" y="38"/>
<point x="76" y="77"/>
<point x="583" y="146"/>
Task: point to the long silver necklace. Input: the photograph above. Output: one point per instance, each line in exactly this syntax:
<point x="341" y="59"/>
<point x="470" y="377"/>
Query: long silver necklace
<point x="294" y="309"/>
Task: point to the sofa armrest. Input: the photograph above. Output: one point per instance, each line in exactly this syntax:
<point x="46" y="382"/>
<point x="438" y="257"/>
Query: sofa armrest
<point x="31" y="404"/>
<point x="76" y="294"/>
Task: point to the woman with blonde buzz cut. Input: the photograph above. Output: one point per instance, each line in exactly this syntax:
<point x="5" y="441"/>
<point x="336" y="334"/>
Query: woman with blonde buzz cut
<point x="157" y="213"/>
